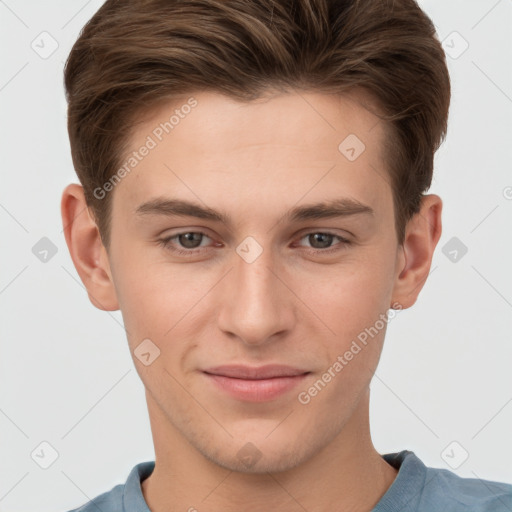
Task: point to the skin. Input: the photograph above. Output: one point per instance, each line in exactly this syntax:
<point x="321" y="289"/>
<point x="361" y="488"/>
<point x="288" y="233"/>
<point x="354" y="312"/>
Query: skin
<point x="293" y="305"/>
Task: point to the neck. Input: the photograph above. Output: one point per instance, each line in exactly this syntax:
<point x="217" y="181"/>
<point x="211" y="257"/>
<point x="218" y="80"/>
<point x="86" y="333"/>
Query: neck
<point x="347" y="474"/>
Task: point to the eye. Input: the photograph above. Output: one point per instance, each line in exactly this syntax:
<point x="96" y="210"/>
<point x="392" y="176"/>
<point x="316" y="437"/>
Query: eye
<point x="188" y="242"/>
<point x="322" y="241"/>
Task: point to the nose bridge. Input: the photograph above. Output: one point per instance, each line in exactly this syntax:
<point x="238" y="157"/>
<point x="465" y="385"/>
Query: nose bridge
<point x="255" y="305"/>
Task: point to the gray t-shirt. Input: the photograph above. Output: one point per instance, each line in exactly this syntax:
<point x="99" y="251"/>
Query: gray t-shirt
<point x="416" y="488"/>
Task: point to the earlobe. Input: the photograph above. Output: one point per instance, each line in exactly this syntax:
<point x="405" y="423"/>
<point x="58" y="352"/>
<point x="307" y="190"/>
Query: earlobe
<point x="86" y="249"/>
<point x="423" y="232"/>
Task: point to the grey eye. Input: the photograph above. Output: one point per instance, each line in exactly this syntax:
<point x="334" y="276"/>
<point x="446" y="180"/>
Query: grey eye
<point x="190" y="240"/>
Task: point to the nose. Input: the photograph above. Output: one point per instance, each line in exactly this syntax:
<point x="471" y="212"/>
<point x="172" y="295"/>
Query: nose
<point x="256" y="304"/>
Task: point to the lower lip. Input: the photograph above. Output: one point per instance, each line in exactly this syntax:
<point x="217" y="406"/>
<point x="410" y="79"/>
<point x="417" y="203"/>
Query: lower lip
<point x="262" y="390"/>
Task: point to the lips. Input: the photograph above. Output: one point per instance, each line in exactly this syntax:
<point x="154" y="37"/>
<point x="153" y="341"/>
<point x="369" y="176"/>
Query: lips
<point x="256" y="373"/>
<point x="255" y="384"/>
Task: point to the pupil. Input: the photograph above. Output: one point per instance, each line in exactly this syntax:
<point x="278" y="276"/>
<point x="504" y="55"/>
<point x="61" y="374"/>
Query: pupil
<point x="190" y="240"/>
<point x="326" y="239"/>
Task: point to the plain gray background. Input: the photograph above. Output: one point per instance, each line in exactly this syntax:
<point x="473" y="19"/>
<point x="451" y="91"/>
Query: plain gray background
<point x="443" y="387"/>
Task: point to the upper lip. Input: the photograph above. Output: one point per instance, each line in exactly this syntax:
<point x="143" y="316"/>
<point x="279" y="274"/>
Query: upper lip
<point x="255" y="372"/>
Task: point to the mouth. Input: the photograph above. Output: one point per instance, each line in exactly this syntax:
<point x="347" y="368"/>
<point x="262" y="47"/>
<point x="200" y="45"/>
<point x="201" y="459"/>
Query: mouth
<point x="255" y="384"/>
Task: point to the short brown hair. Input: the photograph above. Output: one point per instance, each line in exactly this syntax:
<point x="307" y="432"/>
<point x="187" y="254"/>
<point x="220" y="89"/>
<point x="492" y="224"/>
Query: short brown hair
<point x="134" y="54"/>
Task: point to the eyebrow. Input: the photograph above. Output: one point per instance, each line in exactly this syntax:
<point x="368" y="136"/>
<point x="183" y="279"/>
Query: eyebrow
<point x="340" y="207"/>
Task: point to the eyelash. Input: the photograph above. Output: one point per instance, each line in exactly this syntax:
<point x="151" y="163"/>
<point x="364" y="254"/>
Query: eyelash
<point x="166" y="243"/>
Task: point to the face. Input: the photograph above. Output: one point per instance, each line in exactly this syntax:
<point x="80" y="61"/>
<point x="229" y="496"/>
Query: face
<point x="281" y="251"/>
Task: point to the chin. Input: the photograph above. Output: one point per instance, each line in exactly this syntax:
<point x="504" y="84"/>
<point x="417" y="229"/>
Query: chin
<point x="274" y="464"/>
<point x="259" y="457"/>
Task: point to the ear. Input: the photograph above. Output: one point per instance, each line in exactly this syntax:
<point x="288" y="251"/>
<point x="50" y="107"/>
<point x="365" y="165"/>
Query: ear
<point x="86" y="248"/>
<point x="422" y="234"/>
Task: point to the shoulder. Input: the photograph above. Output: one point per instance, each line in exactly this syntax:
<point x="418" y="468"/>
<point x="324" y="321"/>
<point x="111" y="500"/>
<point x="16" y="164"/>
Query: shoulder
<point x="129" y="492"/>
<point x="110" y="501"/>
<point x="426" y="489"/>
<point x="458" y="493"/>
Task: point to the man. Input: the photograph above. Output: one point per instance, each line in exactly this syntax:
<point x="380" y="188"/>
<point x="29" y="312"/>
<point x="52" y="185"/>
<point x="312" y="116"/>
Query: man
<point x="252" y="200"/>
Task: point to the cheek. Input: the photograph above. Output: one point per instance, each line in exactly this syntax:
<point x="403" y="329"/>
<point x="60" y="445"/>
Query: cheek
<point x="352" y="302"/>
<point x="158" y="301"/>
<point x="355" y="312"/>
<point x="145" y="297"/>
<point x="350" y="297"/>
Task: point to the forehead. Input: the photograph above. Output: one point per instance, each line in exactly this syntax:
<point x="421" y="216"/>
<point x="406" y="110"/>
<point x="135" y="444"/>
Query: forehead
<point x="265" y="153"/>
